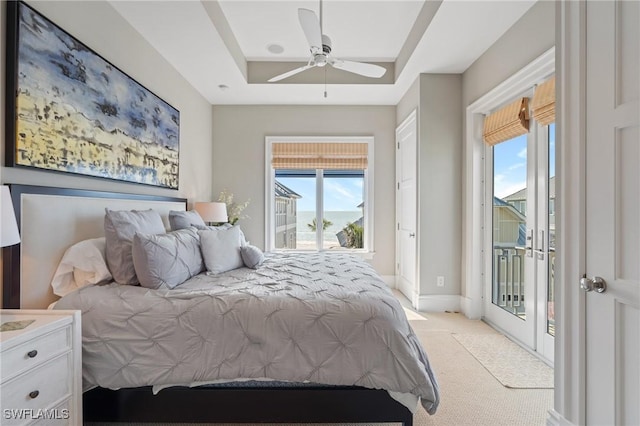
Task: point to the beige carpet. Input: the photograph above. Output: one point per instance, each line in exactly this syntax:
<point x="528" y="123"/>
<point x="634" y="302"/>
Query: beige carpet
<point x="470" y="395"/>
<point x="513" y="366"/>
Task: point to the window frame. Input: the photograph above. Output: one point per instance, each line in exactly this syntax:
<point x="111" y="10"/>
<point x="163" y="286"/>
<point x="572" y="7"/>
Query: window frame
<point x="368" y="190"/>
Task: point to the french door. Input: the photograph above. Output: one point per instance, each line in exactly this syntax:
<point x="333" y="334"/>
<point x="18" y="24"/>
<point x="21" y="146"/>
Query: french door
<point x="520" y="238"/>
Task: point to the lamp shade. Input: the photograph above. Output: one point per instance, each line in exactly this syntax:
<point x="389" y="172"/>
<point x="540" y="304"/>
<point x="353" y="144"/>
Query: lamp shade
<point x="8" y="227"/>
<point x="212" y="211"/>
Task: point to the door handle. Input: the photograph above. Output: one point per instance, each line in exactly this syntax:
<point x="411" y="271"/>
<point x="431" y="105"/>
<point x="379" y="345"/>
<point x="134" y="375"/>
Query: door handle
<point x="595" y="283"/>
<point x="540" y="250"/>
<point x="412" y="235"/>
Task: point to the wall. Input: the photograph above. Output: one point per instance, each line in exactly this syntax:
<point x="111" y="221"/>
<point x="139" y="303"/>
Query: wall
<point x="527" y="39"/>
<point x="440" y="174"/>
<point x="239" y="158"/>
<point x="101" y="28"/>
<point x="410" y="101"/>
<point x="438" y="99"/>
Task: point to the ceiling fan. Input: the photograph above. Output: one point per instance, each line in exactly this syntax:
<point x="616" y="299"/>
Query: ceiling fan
<point x="320" y="47"/>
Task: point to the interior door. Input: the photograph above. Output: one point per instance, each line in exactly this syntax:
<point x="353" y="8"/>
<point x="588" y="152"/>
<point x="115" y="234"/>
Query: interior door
<point x="406" y="205"/>
<point x="612" y="213"/>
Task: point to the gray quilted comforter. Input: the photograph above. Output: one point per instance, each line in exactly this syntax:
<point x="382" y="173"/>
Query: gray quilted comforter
<point x="315" y="317"/>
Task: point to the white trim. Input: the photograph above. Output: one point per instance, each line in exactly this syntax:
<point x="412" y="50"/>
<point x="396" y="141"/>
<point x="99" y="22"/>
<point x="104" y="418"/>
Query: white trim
<point x="474" y="170"/>
<point x="438" y="303"/>
<point x="368" y="189"/>
<point x="570" y="347"/>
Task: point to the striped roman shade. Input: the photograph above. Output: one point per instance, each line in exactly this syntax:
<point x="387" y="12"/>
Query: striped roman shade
<point x="543" y="104"/>
<point x="507" y="123"/>
<point x="318" y="155"/>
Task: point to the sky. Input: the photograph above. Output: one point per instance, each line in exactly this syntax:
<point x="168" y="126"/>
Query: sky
<point x="340" y="194"/>
<point x="510" y="164"/>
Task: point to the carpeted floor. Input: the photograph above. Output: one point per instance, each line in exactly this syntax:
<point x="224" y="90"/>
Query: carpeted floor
<point x="470" y="395"/>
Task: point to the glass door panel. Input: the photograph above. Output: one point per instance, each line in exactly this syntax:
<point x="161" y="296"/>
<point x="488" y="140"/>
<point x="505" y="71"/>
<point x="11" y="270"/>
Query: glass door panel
<point x="510" y="200"/>
<point x="551" y="322"/>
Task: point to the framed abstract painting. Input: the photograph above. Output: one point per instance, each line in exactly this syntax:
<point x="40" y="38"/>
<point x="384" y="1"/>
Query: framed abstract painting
<point x="70" y="110"/>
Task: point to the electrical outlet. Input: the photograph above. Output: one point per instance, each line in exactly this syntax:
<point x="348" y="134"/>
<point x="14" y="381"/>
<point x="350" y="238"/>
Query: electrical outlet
<point x="440" y="281"/>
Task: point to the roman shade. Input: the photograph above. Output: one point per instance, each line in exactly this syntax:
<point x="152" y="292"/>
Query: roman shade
<point x="319" y="155"/>
<point x="507" y="122"/>
<point x="543" y="104"/>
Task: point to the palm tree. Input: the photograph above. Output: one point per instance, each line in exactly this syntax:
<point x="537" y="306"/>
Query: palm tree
<point x="325" y="224"/>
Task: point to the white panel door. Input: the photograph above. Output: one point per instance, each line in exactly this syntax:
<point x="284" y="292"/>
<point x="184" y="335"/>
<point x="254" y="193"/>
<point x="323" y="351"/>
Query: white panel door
<point x="406" y="205"/>
<point x="613" y="213"/>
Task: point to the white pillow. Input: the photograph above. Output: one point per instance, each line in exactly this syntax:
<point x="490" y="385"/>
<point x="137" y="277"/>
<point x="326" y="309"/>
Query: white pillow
<point x="82" y="264"/>
<point x="221" y="249"/>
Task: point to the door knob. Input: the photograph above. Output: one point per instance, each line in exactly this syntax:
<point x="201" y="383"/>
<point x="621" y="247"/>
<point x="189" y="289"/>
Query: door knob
<point x="413" y="234"/>
<point x="595" y="283"/>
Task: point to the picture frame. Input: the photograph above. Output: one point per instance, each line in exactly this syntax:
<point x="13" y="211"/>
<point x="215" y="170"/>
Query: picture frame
<point x="70" y="110"/>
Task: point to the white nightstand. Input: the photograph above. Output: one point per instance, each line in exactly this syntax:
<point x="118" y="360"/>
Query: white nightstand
<point x="41" y="368"/>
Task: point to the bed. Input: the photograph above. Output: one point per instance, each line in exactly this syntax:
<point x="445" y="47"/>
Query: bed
<point x="302" y="338"/>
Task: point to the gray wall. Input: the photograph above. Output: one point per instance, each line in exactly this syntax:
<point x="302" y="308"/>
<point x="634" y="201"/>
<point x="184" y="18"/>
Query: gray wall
<point x="410" y="101"/>
<point x="438" y="99"/>
<point x="239" y="158"/>
<point x="101" y="28"/>
<point x="527" y="39"/>
<point x="440" y="174"/>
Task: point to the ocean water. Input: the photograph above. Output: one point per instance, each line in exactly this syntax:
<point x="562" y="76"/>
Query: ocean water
<point x="339" y="220"/>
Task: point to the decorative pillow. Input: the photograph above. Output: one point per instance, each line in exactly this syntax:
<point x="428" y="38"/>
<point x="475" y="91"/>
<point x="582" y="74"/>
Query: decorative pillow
<point x="185" y="219"/>
<point x="119" y="230"/>
<point x="243" y="239"/>
<point x="82" y="264"/>
<point x="221" y="249"/>
<point x="252" y="256"/>
<point x="168" y="259"/>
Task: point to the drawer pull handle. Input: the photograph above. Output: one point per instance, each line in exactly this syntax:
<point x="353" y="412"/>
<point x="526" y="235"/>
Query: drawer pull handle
<point x="34" y="394"/>
<point x="32" y="354"/>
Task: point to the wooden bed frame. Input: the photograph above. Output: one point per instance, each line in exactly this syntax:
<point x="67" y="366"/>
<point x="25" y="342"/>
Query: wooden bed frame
<point x="308" y="404"/>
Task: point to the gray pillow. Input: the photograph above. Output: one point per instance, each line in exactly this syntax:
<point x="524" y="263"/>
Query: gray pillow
<point x="119" y="229"/>
<point x="221" y="249"/>
<point x="185" y="219"/>
<point x="168" y="259"/>
<point x="252" y="256"/>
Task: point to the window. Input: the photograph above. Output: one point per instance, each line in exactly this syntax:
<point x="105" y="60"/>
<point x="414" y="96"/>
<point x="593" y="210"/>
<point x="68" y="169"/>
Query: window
<point x="318" y="194"/>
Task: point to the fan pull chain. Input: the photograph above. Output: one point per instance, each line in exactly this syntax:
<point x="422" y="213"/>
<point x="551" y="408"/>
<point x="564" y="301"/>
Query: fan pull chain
<point x="325" y="82"/>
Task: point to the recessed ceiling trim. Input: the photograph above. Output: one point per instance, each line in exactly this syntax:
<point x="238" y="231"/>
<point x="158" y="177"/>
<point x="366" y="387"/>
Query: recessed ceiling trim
<point x="221" y="25"/>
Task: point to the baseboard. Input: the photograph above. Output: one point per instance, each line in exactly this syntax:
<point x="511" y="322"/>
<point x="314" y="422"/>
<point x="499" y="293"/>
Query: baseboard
<point x="557" y="419"/>
<point x="469" y="309"/>
<point x="439" y="303"/>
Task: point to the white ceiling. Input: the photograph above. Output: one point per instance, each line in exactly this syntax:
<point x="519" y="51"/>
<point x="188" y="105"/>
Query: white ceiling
<point x="210" y="42"/>
<point x="366" y="30"/>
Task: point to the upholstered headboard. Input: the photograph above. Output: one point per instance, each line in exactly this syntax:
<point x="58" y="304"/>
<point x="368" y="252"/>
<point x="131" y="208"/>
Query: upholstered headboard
<point x="50" y="221"/>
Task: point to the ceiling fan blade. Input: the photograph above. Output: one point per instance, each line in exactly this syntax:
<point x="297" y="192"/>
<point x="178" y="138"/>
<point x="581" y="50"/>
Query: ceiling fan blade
<point x="311" y="27"/>
<point x="362" y="68"/>
<point x="289" y="73"/>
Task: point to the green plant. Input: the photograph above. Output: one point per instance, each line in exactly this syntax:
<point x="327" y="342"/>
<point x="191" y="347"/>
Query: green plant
<point x="234" y="210"/>
<point x="325" y="224"/>
<point x="354" y="233"/>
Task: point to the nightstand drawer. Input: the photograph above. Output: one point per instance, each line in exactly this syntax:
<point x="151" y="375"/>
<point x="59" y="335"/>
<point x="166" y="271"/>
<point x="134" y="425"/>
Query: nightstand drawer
<point x="33" y="353"/>
<point x="59" y="415"/>
<point x="40" y="388"/>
